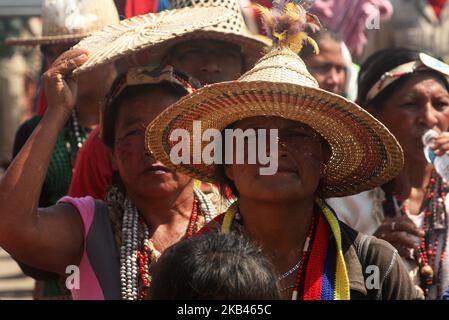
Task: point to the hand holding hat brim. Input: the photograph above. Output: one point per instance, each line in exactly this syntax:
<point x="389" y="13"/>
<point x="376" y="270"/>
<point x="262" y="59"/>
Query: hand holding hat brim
<point x="152" y="31"/>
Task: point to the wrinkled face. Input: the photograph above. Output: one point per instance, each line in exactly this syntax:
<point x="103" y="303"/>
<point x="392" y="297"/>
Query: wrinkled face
<point x="300" y="157"/>
<point x="328" y="67"/>
<point x="140" y="173"/>
<point x="207" y="60"/>
<point x="421" y="103"/>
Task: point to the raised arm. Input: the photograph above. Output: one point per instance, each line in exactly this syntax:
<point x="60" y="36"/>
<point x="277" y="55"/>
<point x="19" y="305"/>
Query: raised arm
<point x="49" y="238"/>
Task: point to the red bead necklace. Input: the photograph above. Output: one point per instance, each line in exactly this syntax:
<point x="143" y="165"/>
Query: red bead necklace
<point x="435" y="221"/>
<point x="305" y="256"/>
<point x="149" y="254"/>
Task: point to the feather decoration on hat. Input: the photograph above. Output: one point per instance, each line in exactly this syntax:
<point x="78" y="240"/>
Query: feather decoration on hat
<point x="286" y="24"/>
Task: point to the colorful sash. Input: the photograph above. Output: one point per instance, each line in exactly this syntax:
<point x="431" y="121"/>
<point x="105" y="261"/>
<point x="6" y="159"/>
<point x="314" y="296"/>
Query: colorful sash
<point x="326" y="276"/>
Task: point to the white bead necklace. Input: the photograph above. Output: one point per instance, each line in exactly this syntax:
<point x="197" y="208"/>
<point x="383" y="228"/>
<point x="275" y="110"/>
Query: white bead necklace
<point x="129" y="272"/>
<point x="77" y="130"/>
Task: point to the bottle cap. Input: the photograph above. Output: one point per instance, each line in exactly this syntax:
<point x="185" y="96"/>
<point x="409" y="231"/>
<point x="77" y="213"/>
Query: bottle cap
<point x="429" y="136"/>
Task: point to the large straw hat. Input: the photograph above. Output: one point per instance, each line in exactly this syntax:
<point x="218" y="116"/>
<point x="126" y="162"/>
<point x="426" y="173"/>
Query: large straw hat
<point x="71" y="20"/>
<point x="232" y="30"/>
<point x="364" y="153"/>
<point x="162" y="31"/>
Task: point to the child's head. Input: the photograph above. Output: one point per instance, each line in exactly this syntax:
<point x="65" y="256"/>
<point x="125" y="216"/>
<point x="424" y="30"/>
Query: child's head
<point x="216" y="267"/>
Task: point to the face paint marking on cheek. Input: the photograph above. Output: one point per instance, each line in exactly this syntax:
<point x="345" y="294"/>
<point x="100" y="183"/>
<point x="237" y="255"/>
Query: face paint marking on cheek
<point x="125" y="150"/>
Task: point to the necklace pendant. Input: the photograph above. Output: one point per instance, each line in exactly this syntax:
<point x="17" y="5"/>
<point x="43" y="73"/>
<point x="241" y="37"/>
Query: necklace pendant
<point x="427" y="271"/>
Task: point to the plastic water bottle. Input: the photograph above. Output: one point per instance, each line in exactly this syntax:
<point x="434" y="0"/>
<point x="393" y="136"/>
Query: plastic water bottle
<point x="440" y="163"/>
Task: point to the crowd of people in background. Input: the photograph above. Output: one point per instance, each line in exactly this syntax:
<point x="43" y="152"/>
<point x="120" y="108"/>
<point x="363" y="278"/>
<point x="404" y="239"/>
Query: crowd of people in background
<point x="351" y="87"/>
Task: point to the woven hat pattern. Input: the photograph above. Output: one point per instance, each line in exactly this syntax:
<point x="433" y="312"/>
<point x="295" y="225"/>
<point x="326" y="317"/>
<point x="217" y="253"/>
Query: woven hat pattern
<point x="145" y="31"/>
<point x="235" y="23"/>
<point x="364" y="153"/>
<point x="71" y="20"/>
<point x="233" y="30"/>
<point x="281" y="65"/>
<point x="167" y="33"/>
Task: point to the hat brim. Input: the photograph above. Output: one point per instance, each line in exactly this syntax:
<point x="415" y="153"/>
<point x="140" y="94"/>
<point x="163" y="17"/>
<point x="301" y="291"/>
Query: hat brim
<point x="364" y="153"/>
<point x="49" y="40"/>
<point x="253" y="47"/>
<point x="114" y="42"/>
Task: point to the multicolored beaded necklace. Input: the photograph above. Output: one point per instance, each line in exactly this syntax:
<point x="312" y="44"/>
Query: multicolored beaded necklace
<point x="323" y="275"/>
<point x="434" y="223"/>
<point x="148" y="254"/>
<point x="137" y="252"/>
<point x="299" y="284"/>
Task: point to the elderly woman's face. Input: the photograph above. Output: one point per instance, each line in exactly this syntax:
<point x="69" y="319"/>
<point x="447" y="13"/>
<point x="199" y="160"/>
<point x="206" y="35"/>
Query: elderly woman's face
<point x="421" y="103"/>
<point x="300" y="160"/>
<point x="140" y="173"/>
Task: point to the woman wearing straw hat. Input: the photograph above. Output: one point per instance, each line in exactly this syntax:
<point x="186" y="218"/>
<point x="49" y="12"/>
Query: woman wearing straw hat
<point x="217" y="53"/>
<point x="64" y="24"/>
<point x="150" y="207"/>
<point x="328" y="146"/>
<point x="112" y="244"/>
<point x="408" y="91"/>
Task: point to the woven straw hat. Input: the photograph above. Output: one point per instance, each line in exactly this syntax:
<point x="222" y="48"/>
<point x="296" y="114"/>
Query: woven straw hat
<point x="214" y="19"/>
<point x="364" y="153"/>
<point x="71" y="20"/>
<point x="232" y="30"/>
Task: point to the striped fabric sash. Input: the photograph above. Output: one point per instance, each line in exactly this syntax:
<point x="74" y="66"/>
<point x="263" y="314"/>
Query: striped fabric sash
<point x="326" y="276"/>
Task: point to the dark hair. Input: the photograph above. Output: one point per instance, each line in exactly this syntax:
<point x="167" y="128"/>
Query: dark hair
<point x="214" y="267"/>
<point x="112" y="109"/>
<point x="376" y="65"/>
<point x="322" y="35"/>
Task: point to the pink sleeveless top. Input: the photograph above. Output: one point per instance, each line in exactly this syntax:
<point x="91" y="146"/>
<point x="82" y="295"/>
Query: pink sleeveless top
<point x="90" y="288"/>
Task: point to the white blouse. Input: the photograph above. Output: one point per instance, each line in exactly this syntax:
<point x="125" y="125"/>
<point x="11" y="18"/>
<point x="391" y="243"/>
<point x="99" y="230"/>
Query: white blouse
<point x="364" y="213"/>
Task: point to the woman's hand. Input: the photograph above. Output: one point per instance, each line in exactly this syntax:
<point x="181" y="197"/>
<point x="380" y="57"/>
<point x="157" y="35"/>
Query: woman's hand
<point x="441" y="144"/>
<point x="60" y="88"/>
<point x="402" y="233"/>
<point x="51" y="238"/>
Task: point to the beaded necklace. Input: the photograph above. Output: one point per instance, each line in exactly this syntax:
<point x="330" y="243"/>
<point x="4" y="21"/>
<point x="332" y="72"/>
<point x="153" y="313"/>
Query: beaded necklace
<point x="434" y="222"/>
<point x="300" y="265"/>
<point x="290" y="271"/>
<point x="148" y="254"/>
<point x="299" y="281"/>
<point x="326" y="264"/>
<point x="137" y="251"/>
<point x="74" y="134"/>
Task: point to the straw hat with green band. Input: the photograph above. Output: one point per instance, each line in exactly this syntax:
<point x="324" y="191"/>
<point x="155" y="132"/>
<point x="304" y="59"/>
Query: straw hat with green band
<point x="364" y="153"/>
<point x="68" y="21"/>
<point x="154" y="34"/>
